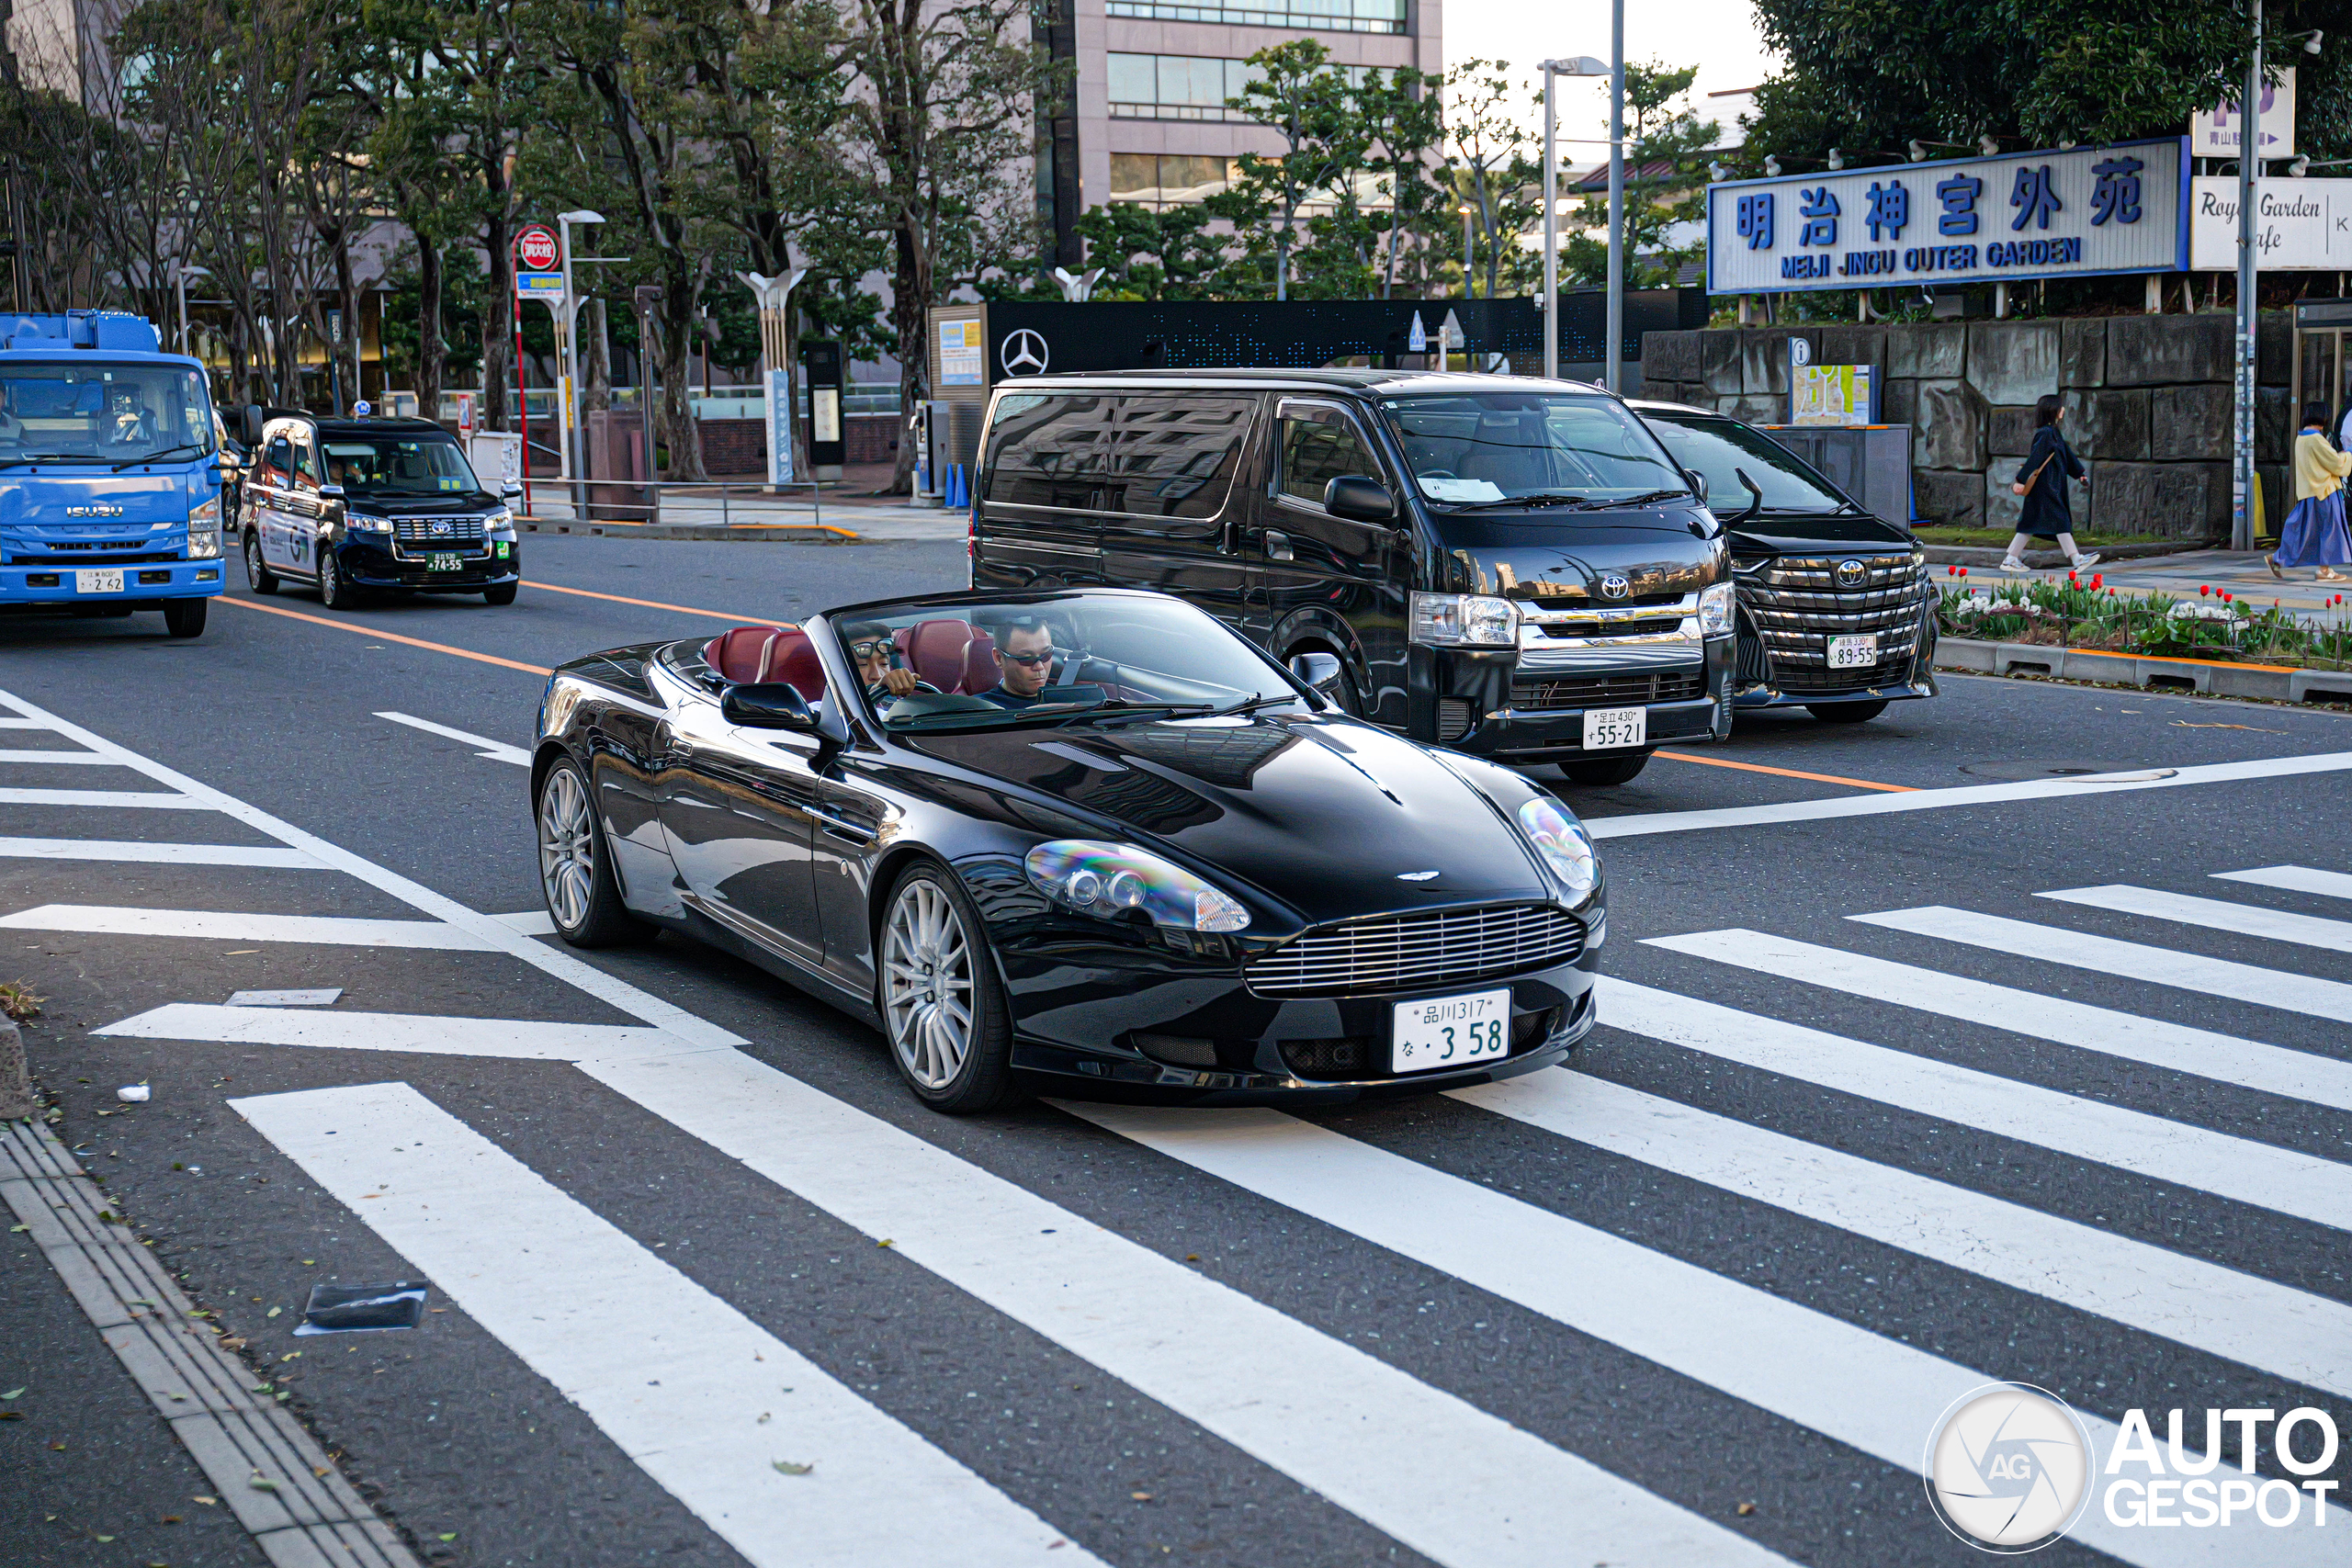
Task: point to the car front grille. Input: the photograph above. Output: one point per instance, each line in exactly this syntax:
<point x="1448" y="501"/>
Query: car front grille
<point x="48" y="558"/>
<point x="1796" y="606"/>
<point x="1419" y="952"/>
<point x="1602" y="691"/>
<point x="417" y="534"/>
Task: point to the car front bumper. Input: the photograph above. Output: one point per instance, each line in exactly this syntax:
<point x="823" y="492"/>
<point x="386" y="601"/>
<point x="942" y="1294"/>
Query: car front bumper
<point x="1487" y="686"/>
<point x="144" y="584"/>
<point x="372" y="566"/>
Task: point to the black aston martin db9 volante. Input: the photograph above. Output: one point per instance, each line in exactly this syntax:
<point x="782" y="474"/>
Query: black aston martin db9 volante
<point x="1088" y="843"/>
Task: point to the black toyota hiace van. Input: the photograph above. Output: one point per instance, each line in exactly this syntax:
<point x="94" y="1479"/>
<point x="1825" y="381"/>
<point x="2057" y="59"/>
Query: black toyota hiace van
<point x="1509" y="567"/>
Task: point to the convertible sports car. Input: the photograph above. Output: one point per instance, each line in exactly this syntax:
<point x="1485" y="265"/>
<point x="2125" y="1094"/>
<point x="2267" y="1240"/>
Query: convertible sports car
<point x="1090" y="842"/>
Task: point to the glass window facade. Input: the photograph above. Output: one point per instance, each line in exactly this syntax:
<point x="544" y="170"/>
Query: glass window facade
<point x="1167" y="179"/>
<point x="1316" y="16"/>
<point x="1175" y="86"/>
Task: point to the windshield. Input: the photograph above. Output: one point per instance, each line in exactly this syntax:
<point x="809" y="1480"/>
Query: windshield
<point x="1081" y="659"/>
<point x="397" y="465"/>
<point x="1487" y="446"/>
<point x="97" y="412"/>
<point x="1713" y="446"/>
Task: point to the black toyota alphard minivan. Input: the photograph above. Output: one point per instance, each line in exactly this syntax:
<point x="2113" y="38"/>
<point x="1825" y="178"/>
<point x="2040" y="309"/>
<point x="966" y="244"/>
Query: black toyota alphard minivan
<point x="1509" y="567"/>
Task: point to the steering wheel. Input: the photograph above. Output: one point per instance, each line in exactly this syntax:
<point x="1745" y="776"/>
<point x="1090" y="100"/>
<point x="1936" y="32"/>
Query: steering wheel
<point x="880" y="691"/>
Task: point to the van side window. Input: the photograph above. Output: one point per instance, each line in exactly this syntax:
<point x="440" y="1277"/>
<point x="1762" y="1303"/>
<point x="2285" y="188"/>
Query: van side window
<point x="1050" y="451"/>
<point x="306" y="464"/>
<point x="280" y="460"/>
<point x="1176" y="457"/>
<point x="1315" y="452"/>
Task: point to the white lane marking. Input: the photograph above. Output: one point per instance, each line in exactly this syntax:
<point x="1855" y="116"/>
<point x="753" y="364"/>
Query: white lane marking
<point x="2284" y="1181"/>
<point x="198" y="795"/>
<point x="2159" y="965"/>
<point x="70" y="759"/>
<point x="316" y="997"/>
<point x="705" y="1400"/>
<point x="530" y="923"/>
<point x="1967" y="794"/>
<point x="427" y="1032"/>
<point x="495" y="750"/>
<point x="2238" y="1316"/>
<point x="1745" y="1342"/>
<point x="2294" y="879"/>
<point x="153" y="799"/>
<point x="22" y="724"/>
<point x="2268" y="1069"/>
<point x="156" y="854"/>
<point x="2216" y="914"/>
<point x="230" y="925"/>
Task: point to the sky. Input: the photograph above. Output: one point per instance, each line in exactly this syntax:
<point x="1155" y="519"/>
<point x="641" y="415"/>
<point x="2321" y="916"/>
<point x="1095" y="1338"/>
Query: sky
<point x="1717" y="35"/>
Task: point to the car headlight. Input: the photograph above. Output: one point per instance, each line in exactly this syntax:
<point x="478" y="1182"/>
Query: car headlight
<point x="1465" y="620"/>
<point x="1716" y="610"/>
<point x="204" y="529"/>
<point x="499" y="521"/>
<point x="1108" y="880"/>
<point x="1561" y="844"/>
<point x="360" y="521"/>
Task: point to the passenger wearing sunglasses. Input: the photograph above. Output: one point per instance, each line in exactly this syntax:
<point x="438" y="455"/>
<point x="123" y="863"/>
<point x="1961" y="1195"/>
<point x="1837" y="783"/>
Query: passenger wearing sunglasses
<point x="878" y="666"/>
<point x="1026" y="655"/>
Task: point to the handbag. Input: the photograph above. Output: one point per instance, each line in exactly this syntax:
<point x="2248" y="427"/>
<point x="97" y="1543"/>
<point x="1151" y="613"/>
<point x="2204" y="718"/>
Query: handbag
<point x="2020" y="487"/>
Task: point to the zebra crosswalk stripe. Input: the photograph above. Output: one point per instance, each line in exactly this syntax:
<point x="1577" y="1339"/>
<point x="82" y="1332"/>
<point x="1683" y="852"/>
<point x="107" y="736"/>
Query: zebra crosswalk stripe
<point x="236" y="926"/>
<point x="143" y="851"/>
<point x="2216" y="914"/>
<point x="2156" y="1042"/>
<point x="2284" y="1181"/>
<point x="2305" y="994"/>
<point x="2220" y="1311"/>
<point x="2294" y="879"/>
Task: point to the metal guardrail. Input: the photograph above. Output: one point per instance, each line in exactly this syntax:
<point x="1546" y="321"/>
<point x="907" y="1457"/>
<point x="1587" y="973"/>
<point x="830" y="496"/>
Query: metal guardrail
<point x="672" y="504"/>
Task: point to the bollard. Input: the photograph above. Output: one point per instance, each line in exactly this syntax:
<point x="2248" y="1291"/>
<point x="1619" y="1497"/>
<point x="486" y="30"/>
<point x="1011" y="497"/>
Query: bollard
<point x="16" y="1084"/>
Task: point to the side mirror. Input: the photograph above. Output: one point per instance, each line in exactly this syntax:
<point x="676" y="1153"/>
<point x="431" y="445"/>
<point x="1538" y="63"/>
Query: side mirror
<point x="1699" y="483"/>
<point x="1359" y="500"/>
<point x="510" y="491"/>
<point x="1319" y="672"/>
<point x="330" y="492"/>
<point x="251" y="422"/>
<point x="767" y="704"/>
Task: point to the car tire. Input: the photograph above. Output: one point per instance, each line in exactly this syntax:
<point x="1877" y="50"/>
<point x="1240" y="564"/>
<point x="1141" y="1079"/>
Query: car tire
<point x="185" y="617"/>
<point x="584" y="897"/>
<point x="1845" y="713"/>
<point x="333" y="591"/>
<point x="932" y="945"/>
<point x="260" y="577"/>
<point x="500" y="593"/>
<point x="1607" y="770"/>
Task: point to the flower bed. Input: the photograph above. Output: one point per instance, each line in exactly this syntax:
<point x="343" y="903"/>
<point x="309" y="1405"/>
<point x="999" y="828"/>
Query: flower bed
<point x="2086" y="613"/>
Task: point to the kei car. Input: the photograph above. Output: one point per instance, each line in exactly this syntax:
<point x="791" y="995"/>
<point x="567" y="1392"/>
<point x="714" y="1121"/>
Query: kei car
<point x="1091" y="841"/>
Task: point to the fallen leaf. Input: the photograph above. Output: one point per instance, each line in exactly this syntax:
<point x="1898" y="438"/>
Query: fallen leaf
<point x="2181" y="724"/>
<point x="886" y="1241"/>
<point x="208" y="1502"/>
<point x="262" y="1484"/>
<point x="11" y="1415"/>
<point x="451" y="1536"/>
<point x="1140" y="1496"/>
<point x="13" y="1229"/>
<point x="232" y="1344"/>
<point x="786" y="1467"/>
<point x="1746" y="1509"/>
<point x="13" y="1393"/>
<point x="102" y="1538"/>
<point x="57" y="1448"/>
<point x="309" y="1262"/>
<point x="171" y="1518"/>
<point x="243" y="951"/>
<point x="291" y="1355"/>
<point x="274" y="1312"/>
<point x="1191" y="1258"/>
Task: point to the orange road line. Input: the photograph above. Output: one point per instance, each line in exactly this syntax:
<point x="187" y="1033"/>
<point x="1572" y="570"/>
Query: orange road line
<point x="1786" y="772"/>
<point x="656" y="605"/>
<point x="370" y="631"/>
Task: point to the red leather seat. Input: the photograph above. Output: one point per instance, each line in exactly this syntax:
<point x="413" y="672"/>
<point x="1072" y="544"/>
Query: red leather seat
<point x="937" y="650"/>
<point x="981" y="667"/>
<point x="792" y="659"/>
<point x="749" y="655"/>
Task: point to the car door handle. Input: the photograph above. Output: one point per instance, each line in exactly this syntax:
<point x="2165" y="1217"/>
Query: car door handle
<point x="1277" y="545"/>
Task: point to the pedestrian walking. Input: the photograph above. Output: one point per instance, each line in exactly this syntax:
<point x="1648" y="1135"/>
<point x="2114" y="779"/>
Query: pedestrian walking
<point x="2314" y="532"/>
<point x="2041" y="479"/>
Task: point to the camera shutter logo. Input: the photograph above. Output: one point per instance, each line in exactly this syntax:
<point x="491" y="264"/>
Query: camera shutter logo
<point x="2008" y="1468"/>
<point x="1615" y="586"/>
<point x="1024" y="352"/>
<point x="1851" y="573"/>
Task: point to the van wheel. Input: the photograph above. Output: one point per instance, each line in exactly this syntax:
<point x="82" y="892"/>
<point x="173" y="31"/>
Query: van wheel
<point x="1607" y="770"/>
<point x="264" y="580"/>
<point x="185" y="617"/>
<point x="1845" y="713"/>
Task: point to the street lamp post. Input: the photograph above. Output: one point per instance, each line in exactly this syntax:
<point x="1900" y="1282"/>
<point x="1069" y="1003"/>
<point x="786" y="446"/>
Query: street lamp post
<point x="1582" y="65"/>
<point x="1614" y="372"/>
<point x="2249" y="162"/>
<point x="575" y="451"/>
<point x="181" y="272"/>
<point x="775" y="295"/>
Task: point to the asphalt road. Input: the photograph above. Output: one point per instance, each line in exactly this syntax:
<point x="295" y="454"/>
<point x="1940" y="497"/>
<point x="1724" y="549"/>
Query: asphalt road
<point x="1689" y="1301"/>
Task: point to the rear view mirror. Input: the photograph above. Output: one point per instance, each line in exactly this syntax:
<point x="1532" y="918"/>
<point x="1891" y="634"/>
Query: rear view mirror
<point x="766" y="705"/>
<point x="509" y="491"/>
<point x="251" y="422"/>
<point x="1359" y="500"/>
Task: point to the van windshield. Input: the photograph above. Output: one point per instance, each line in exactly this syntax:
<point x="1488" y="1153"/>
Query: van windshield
<point x="1480" y="447"/>
<point x="1722" y="449"/>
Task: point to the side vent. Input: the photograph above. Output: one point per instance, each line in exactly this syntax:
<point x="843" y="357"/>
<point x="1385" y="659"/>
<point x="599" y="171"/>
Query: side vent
<point x="1453" y="718"/>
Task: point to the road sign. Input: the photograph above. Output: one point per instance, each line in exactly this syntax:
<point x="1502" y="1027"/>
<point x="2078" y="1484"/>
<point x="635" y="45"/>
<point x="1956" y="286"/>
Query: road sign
<point x="1450" y="332"/>
<point x="1417" y="340"/>
<point x="547" y="286"/>
<point x="535" y="250"/>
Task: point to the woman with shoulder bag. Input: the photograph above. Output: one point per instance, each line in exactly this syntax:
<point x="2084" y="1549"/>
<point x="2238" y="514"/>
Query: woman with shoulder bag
<point x="2314" y="532"/>
<point x="2041" y="479"/>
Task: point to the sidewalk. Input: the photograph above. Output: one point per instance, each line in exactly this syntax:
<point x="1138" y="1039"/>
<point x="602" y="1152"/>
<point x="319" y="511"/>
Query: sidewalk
<point x="2238" y="572"/>
<point x="751" y="516"/>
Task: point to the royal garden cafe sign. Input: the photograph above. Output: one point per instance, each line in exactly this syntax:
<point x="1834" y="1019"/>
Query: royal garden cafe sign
<point x="2076" y="213"/>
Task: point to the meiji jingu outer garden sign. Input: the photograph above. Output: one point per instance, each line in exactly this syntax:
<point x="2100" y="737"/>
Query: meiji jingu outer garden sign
<point x="2081" y="212"/>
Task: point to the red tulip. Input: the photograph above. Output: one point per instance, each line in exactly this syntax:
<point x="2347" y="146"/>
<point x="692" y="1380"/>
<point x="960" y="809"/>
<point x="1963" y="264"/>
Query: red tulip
<point x="1964" y="572"/>
<point x="2098" y="579"/>
<point x="2203" y="589"/>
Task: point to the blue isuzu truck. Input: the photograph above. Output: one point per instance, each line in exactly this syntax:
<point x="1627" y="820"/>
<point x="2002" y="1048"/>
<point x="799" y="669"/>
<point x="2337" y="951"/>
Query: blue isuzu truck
<point x="110" y="471"/>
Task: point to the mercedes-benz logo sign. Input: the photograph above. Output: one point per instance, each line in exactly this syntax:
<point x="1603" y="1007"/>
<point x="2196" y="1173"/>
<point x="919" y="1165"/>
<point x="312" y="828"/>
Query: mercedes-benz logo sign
<point x="1615" y="586"/>
<point x="1023" y="354"/>
<point x="1851" y="573"/>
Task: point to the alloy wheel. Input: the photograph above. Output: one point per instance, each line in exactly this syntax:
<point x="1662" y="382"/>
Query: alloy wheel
<point x="567" y="849"/>
<point x="927" y="984"/>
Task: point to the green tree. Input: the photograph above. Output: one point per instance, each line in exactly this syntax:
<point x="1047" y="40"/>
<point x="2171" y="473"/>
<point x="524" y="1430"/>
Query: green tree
<point x="1665" y="182"/>
<point x="1404" y="116"/>
<point x="1296" y="93"/>
<point x="1493" y="162"/>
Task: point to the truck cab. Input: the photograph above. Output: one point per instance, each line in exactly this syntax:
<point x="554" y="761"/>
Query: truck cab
<point x="110" y="472"/>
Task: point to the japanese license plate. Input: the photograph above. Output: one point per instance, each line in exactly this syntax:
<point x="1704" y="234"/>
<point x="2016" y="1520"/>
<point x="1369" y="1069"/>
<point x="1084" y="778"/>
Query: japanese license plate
<point x="1446" y="1032"/>
<point x="1853" y="653"/>
<point x="97" y="581"/>
<point x="1613" y="730"/>
<point x="443" y="563"/>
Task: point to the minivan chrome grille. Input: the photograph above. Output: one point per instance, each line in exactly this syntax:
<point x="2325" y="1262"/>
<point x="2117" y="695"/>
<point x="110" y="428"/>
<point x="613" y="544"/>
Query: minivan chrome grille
<point x="1796" y="606"/>
<point x="1419" y="952"/>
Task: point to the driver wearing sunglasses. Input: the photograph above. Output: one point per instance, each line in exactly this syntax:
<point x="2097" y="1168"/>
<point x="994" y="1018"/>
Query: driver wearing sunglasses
<point x="1026" y="662"/>
<point x="884" y="678"/>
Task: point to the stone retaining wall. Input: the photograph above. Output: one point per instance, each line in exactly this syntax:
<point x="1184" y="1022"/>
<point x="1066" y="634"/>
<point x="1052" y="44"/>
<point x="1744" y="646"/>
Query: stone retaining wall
<point x="2148" y="407"/>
